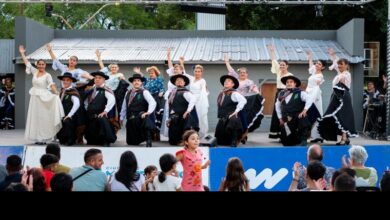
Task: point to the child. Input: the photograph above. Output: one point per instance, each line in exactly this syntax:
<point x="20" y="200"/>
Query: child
<point x="191" y="159"/>
<point x="49" y="163"/>
<point x="235" y="179"/>
<point x="150" y="172"/>
<point x="168" y="179"/>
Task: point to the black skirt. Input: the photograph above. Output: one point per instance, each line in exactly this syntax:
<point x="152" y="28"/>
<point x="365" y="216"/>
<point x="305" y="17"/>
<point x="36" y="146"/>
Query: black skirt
<point x="228" y="130"/>
<point x="274" y="132"/>
<point x="254" y="111"/>
<point x="338" y="117"/>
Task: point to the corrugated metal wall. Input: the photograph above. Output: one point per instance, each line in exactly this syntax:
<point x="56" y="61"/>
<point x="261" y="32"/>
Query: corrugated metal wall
<point x="210" y="21"/>
<point x="7" y="53"/>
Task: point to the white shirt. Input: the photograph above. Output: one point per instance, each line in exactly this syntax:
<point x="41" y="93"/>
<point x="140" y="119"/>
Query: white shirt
<point x="75" y="101"/>
<point x="149" y="99"/>
<point x="275" y="70"/>
<point x="346" y="75"/>
<point x="110" y="100"/>
<point x="118" y="186"/>
<point x="237" y="97"/>
<point x="171" y="183"/>
<point x="191" y="99"/>
<point x="304" y="97"/>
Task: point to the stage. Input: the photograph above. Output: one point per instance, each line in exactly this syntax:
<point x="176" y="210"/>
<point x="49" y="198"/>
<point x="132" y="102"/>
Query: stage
<point x="256" y="139"/>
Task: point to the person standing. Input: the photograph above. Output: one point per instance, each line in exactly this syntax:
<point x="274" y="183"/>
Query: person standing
<point x="338" y="118"/>
<point x="7" y="103"/>
<point x="280" y="69"/>
<point x="45" y="111"/>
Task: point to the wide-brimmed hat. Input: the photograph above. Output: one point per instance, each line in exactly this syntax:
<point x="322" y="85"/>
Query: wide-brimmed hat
<point x="234" y="79"/>
<point x="137" y="76"/>
<point x="297" y="81"/>
<point x="153" y="68"/>
<point x="99" y="73"/>
<point x="8" y="76"/>
<point x="68" y="75"/>
<point x="185" y="78"/>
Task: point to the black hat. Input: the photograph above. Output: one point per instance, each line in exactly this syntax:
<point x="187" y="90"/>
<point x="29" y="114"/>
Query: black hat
<point x="99" y="73"/>
<point x="185" y="78"/>
<point x="8" y="76"/>
<point x="297" y="81"/>
<point x="137" y="76"/>
<point x="69" y="75"/>
<point x="234" y="79"/>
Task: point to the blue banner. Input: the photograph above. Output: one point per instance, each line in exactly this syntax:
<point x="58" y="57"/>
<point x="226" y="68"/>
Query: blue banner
<point x="6" y="151"/>
<point x="270" y="169"/>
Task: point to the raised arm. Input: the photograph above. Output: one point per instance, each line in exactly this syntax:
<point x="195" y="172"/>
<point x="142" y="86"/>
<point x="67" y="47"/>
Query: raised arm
<point x="227" y="63"/>
<point x="137" y="69"/>
<point x="170" y="65"/>
<point x="99" y="57"/>
<point x="181" y="61"/>
<point x="50" y="49"/>
<point x="334" y="58"/>
<point x="22" y="52"/>
<point x="271" y="50"/>
<point x="310" y="58"/>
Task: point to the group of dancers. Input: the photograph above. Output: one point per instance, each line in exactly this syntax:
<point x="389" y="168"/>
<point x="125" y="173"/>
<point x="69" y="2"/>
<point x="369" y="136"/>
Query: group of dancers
<point x="95" y="105"/>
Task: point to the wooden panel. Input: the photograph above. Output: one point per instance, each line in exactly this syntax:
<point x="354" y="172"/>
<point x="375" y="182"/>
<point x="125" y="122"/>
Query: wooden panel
<point x="268" y="91"/>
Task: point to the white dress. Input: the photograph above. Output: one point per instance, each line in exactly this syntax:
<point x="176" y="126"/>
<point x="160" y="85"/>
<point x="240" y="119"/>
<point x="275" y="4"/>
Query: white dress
<point x="45" y="110"/>
<point x="198" y="89"/>
<point x="313" y="88"/>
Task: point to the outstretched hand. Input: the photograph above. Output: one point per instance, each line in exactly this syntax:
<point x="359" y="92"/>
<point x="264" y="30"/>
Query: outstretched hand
<point x="22" y="50"/>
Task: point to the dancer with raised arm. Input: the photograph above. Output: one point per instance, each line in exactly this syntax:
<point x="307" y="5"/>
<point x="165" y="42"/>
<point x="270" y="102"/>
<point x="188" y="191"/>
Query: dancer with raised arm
<point x="45" y="111"/>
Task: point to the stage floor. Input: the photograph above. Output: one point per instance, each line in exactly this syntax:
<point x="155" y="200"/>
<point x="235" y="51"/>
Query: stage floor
<point x="16" y="137"/>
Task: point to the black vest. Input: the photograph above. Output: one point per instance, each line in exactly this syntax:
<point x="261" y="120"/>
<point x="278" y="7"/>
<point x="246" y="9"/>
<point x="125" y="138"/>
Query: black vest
<point x="179" y="104"/>
<point x="67" y="99"/>
<point x="227" y="107"/>
<point x="98" y="104"/>
<point x="138" y="104"/>
<point x="294" y="106"/>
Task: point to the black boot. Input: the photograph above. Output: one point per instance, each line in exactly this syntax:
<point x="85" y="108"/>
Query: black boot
<point x="148" y="139"/>
<point x="234" y="139"/>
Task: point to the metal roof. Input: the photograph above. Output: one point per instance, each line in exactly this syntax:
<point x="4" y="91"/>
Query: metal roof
<point x="195" y="49"/>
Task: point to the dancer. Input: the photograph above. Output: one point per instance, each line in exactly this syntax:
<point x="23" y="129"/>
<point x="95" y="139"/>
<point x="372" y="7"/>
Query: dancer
<point x="281" y="70"/>
<point x="45" y="110"/>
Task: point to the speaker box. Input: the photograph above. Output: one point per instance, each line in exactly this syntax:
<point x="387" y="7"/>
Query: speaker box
<point x="208" y="141"/>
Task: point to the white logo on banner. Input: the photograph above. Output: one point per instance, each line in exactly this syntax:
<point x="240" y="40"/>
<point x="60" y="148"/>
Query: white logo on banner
<point x="265" y="176"/>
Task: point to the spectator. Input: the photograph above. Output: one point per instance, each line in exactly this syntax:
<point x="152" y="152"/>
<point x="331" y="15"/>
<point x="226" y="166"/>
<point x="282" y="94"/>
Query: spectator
<point x="39" y="184"/>
<point x="345" y="182"/>
<point x="191" y="158"/>
<point x="150" y="172"/>
<point x="56" y="150"/>
<point x="168" y="179"/>
<point x="235" y="179"/>
<point x="385" y="182"/>
<point x="337" y="173"/>
<point x="61" y="182"/>
<point x="365" y="176"/>
<point x="314" y="176"/>
<point x="48" y="163"/>
<point x="89" y="177"/>
<point x="13" y="166"/>
<point x="314" y="152"/>
<point x="16" y="187"/>
<point x="127" y="178"/>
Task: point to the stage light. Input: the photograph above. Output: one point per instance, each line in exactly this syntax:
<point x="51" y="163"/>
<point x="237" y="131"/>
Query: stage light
<point x="48" y="9"/>
<point x="319" y="10"/>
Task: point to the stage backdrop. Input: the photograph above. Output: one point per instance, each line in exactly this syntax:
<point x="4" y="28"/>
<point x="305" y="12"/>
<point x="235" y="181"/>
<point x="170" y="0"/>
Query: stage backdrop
<point x="74" y="157"/>
<point x="6" y="151"/>
<point x="270" y="169"/>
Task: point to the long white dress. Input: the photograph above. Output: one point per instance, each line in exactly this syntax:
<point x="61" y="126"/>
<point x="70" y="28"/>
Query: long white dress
<point x="45" y="110"/>
<point x="198" y="88"/>
<point x="313" y="88"/>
